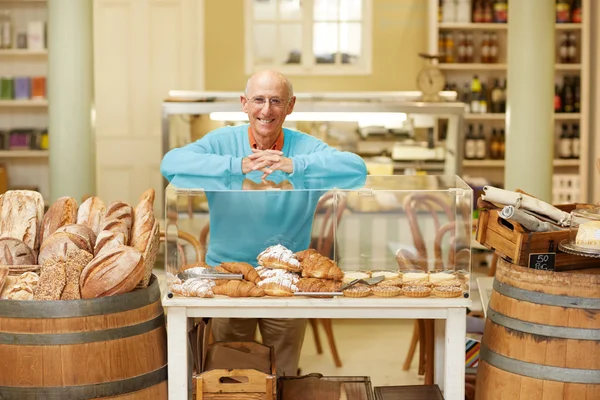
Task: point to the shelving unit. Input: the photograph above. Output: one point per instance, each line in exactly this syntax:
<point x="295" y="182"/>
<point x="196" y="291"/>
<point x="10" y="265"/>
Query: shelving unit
<point x="461" y="73"/>
<point x="25" y="168"/>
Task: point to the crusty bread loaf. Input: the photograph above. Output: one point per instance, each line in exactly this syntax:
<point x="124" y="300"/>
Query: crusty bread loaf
<point x="83" y="232"/>
<point x="20" y="291"/>
<point x="52" y="279"/>
<point x="75" y="263"/>
<point x="59" y="243"/>
<point x="111" y="272"/>
<point x="109" y="240"/>
<point x="120" y="211"/>
<point x="16" y="252"/>
<point x="143" y="221"/>
<point x="91" y="213"/>
<point x="21" y="212"/>
<point x="116" y="225"/>
<point x="62" y="212"/>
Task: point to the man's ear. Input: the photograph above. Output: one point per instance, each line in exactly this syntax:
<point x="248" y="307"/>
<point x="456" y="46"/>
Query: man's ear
<point x="291" y="105"/>
<point x="244" y="102"/>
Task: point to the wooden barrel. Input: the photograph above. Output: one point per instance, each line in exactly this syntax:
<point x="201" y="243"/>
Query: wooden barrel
<point x="110" y="347"/>
<point x="542" y="336"/>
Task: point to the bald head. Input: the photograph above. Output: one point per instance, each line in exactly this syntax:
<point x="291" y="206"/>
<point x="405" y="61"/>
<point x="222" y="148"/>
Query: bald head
<point x="269" y="78"/>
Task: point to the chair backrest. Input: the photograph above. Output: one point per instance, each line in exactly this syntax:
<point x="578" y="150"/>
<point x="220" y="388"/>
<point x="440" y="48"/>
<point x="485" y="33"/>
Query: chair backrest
<point x="333" y="209"/>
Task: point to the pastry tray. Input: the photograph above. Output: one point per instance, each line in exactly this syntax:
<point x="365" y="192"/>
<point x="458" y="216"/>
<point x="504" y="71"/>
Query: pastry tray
<point x="184" y="275"/>
<point x="566" y="246"/>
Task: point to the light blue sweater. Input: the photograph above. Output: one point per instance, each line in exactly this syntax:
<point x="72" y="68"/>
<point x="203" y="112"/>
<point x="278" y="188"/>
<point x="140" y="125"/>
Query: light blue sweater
<point x="243" y="223"/>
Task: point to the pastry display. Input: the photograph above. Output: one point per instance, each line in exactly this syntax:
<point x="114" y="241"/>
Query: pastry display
<point x="436" y="277"/>
<point x="416" y="290"/>
<point x="238" y="289"/>
<point x="415" y="277"/>
<point x="386" y="291"/>
<point x="278" y="282"/>
<point x="447" y="291"/>
<point x="357" y="291"/>
<point x="450" y="282"/>
<point x="313" y="285"/>
<point x="316" y="265"/>
<point x="386" y="274"/>
<point x="397" y="282"/>
<point x="279" y="256"/>
<point x="349" y="276"/>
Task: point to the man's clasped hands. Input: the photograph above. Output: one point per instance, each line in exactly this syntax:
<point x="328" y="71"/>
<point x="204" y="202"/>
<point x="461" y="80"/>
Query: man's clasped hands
<point x="267" y="161"/>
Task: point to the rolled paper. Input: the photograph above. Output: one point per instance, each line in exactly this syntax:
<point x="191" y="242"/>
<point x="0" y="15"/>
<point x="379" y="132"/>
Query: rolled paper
<point x="528" y="221"/>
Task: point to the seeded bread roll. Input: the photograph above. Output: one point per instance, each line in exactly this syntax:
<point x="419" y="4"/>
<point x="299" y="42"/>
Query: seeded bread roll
<point x="59" y="243"/>
<point x="91" y="214"/>
<point x="53" y="279"/>
<point x="75" y="263"/>
<point x="120" y="211"/>
<point x="62" y="212"/>
<point x="108" y="240"/>
<point x="21" y="212"/>
<point x="83" y="232"/>
<point x="15" y="252"/>
<point x="111" y="272"/>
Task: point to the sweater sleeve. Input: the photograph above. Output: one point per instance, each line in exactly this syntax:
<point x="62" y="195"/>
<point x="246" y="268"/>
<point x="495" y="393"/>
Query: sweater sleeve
<point x="318" y="160"/>
<point x="199" y="159"/>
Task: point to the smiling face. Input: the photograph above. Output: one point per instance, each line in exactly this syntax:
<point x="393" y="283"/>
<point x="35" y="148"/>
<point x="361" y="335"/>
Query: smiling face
<point x="267" y="102"/>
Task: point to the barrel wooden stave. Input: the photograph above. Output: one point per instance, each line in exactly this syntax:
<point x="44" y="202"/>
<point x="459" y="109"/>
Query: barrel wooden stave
<point x="119" y="355"/>
<point x="513" y="330"/>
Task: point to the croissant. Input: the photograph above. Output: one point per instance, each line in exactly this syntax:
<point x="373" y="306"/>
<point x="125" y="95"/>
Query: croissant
<point x="194" y="288"/>
<point x="279" y="257"/>
<point x="318" y="285"/>
<point x="242" y="268"/>
<point x="278" y="282"/>
<point x="238" y="289"/>
<point x="316" y="265"/>
<point x="302" y="255"/>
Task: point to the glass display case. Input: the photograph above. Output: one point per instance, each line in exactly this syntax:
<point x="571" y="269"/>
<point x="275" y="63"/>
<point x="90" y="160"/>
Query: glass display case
<point x="406" y="231"/>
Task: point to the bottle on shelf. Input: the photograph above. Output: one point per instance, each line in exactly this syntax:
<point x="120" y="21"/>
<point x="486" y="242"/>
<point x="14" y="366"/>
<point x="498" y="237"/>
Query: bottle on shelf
<point x="483" y="103"/>
<point x="563" y="48"/>
<point x="576" y="95"/>
<point x="572" y="48"/>
<point x="576" y="12"/>
<point x="501" y="11"/>
<point x="463" y="11"/>
<point x="502" y="144"/>
<point x="564" y="143"/>
<point x="494" y="151"/>
<point x="466" y="97"/>
<point x="568" y="98"/>
<point x="449" y="47"/>
<point x="462" y="48"/>
<point x="503" y="99"/>
<point x="575" y="142"/>
<point x="470" y="48"/>
<point x="6" y="30"/>
<point x="563" y="11"/>
<point x="477" y="11"/>
<point x="488" y="11"/>
<point x="442" y="47"/>
<point x="470" y="144"/>
<point x="449" y="11"/>
<point x="485" y="48"/>
<point x="493" y="48"/>
<point x="496" y="97"/>
<point x="475" y="90"/>
<point x="557" y="100"/>
<point x="480" y="145"/>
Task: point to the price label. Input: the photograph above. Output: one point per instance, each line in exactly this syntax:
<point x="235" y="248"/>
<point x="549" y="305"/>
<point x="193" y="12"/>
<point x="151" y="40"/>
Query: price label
<point x="543" y="261"/>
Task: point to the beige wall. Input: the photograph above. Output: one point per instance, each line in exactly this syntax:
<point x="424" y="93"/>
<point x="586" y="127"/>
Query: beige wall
<point x="399" y="33"/>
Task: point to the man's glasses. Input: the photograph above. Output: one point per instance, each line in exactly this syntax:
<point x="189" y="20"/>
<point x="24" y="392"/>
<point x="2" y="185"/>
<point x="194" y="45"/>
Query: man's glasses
<point x="261" y="101"/>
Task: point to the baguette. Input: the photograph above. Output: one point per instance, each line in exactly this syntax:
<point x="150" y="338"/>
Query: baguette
<point x="143" y="221"/>
<point x="117" y="226"/>
<point x="91" y="213"/>
<point x="119" y="211"/>
<point x="62" y="212"/>
<point x="109" y="240"/>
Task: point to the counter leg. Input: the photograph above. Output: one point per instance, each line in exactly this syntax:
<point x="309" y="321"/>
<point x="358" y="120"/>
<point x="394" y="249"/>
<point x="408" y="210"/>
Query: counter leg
<point x="454" y="369"/>
<point x="440" y="336"/>
<point x="177" y="352"/>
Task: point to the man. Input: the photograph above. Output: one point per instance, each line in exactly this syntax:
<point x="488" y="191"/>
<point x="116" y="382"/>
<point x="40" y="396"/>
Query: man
<point x="243" y="224"/>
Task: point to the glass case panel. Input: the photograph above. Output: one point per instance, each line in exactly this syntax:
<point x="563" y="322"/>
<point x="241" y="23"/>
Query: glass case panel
<point x="290" y="36"/>
<point x="350" y="42"/>
<point x="325" y="42"/>
<point x="325" y="10"/>
<point x="290" y="10"/>
<point x="351" y="10"/>
<point x="406" y="226"/>
<point x="265" y="43"/>
<point x="265" y="10"/>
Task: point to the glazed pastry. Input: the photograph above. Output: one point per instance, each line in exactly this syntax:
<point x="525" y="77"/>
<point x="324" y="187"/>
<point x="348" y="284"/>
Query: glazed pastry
<point x="386" y="291"/>
<point x="279" y="282"/>
<point x="447" y="291"/>
<point x="242" y="268"/>
<point x="318" y="285"/>
<point x="279" y="257"/>
<point x="195" y="288"/>
<point x="416" y="291"/>
<point x="357" y="291"/>
<point x="238" y="289"/>
<point x="316" y="265"/>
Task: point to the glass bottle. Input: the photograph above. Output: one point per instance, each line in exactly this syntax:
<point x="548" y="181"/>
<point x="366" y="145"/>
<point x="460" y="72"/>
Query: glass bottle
<point x="475" y="89"/>
<point x="557" y="100"/>
<point x="576" y="12"/>
<point x="488" y="12"/>
<point x="449" y="48"/>
<point x="6" y="29"/>
<point x="493" y="48"/>
<point x="501" y="11"/>
<point x="564" y="143"/>
<point x="470" y="48"/>
<point x="572" y="48"/>
<point x="462" y="47"/>
<point x="470" y="144"/>
<point x="563" y="48"/>
<point x="563" y="11"/>
<point x="480" y="145"/>
<point x="575" y="142"/>
<point x="485" y="48"/>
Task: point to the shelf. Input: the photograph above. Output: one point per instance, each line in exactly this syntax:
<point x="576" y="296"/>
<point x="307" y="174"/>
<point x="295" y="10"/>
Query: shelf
<point x="22" y="53"/>
<point x="473" y="26"/>
<point x="567" y="67"/>
<point x="23" y="103"/>
<point x="500" y="163"/>
<point x="569" y="26"/>
<point x="502" y="116"/>
<point x="472" y="66"/>
<point x="23" y="154"/>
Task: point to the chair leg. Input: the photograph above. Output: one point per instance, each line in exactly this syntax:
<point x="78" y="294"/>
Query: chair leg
<point x="412" y="348"/>
<point x="429" y="351"/>
<point x="422" y="342"/>
<point x="329" y="331"/>
<point x="315" y="329"/>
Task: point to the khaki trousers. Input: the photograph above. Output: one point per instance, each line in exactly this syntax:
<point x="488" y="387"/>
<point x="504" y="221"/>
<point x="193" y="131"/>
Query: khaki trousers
<point x="285" y="335"/>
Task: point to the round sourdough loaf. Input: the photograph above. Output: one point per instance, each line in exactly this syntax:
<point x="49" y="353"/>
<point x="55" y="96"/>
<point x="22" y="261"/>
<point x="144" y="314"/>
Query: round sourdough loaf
<point x="15" y="252"/>
<point x="111" y="272"/>
<point x="59" y="243"/>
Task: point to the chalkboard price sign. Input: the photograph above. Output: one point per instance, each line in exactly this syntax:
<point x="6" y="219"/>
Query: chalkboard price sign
<point x="543" y="261"/>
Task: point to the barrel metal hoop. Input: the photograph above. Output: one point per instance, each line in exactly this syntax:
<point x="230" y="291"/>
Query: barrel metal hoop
<point x="545" y="298"/>
<point x="538" y="371"/>
<point x="80" y="392"/>
<point x="81" y="308"/>
<point x="50" y="339"/>
<point x="541" y="329"/>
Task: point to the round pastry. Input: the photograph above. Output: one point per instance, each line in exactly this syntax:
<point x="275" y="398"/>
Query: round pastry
<point x="349" y="276"/>
<point x="386" y="274"/>
<point x="386" y="291"/>
<point x="396" y="282"/>
<point x="447" y="291"/>
<point x="451" y="282"/>
<point x="360" y="291"/>
<point x="413" y="277"/>
<point x="416" y="290"/>
<point x="441" y="276"/>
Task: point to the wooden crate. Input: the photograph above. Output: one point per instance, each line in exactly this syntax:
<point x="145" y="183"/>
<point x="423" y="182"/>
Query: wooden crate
<point x="513" y="243"/>
<point x="318" y="387"/>
<point x="413" y="392"/>
<point x="235" y="384"/>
